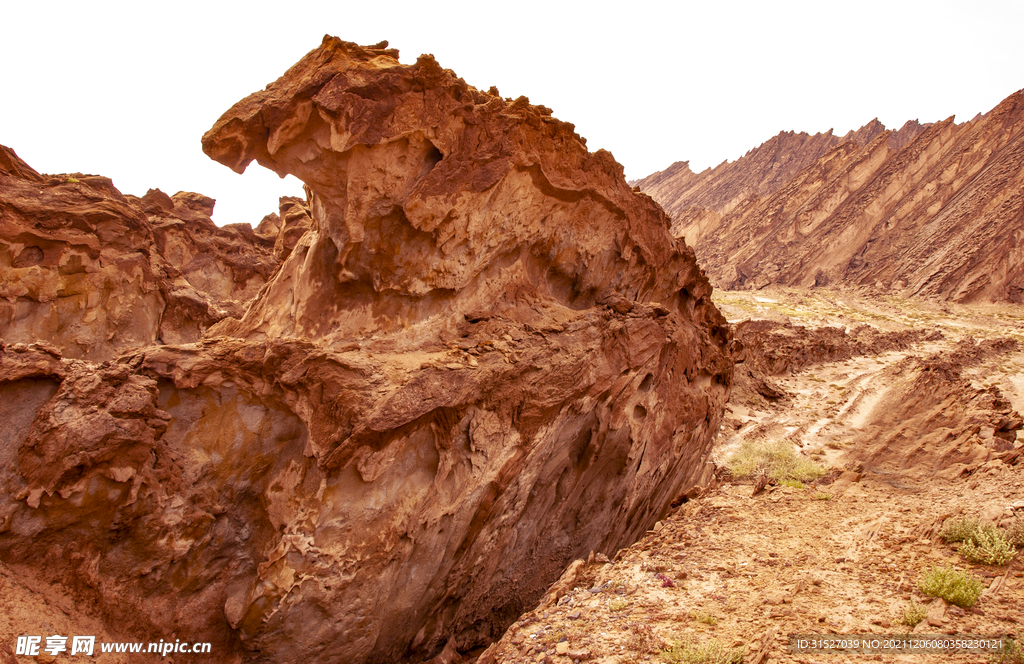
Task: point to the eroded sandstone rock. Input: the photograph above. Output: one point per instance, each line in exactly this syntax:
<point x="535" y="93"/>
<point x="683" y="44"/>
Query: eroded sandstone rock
<point x="96" y="273"/>
<point x="515" y="294"/>
<point x="486" y="358"/>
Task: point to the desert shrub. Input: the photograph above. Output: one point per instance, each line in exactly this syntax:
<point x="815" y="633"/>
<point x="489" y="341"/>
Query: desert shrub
<point x="1012" y="652"/>
<point x="617" y="605"/>
<point x="709" y="652"/>
<point x="959" y="529"/>
<point x="820" y="495"/>
<point x="913" y="614"/>
<point x="642" y="639"/>
<point x="704" y="617"/>
<point x="795" y="484"/>
<point x="982" y="544"/>
<point x="777" y="458"/>
<point x="988" y="546"/>
<point x="1015" y="533"/>
<point x="954" y="586"/>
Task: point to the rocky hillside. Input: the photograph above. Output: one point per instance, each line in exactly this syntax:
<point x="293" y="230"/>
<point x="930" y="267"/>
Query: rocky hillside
<point x="939" y="216"/>
<point x="391" y="417"/>
<point x="758" y="174"/>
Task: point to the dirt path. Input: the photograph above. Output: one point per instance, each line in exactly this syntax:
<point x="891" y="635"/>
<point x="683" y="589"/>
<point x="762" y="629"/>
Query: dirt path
<point x="842" y="556"/>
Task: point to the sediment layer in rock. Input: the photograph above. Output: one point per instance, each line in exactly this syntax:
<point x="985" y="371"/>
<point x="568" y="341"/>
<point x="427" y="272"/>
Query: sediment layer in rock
<point x="938" y="217"/>
<point x="697" y="201"/>
<point x="96" y="273"/>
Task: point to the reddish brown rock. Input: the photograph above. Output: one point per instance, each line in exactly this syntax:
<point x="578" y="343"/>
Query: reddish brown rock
<point x="96" y="273"/>
<point x="76" y="266"/>
<point x="934" y="422"/>
<point x="508" y="284"/>
<point x="213" y="271"/>
<point x="486" y="358"/>
<point x="939" y="216"/>
<point x="697" y="202"/>
<point x="287" y="226"/>
<point x="764" y="348"/>
<point x="12" y="165"/>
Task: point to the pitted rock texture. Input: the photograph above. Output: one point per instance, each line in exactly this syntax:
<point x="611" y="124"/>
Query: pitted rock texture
<point x="97" y="273"/>
<point x="533" y="368"/>
<point x="939" y="217"/>
<point x="485" y="358"/>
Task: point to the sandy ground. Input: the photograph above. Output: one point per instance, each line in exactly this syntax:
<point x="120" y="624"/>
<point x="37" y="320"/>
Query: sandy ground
<point x="840" y="556"/>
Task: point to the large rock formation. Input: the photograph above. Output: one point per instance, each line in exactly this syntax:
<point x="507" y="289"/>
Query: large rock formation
<point x="96" y="273"/>
<point x="939" y="217"/>
<point x="487" y="357"/>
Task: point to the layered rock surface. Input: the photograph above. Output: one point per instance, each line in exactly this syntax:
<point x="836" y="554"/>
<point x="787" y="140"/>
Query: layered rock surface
<point x="96" y="273"/>
<point x="939" y="217"/>
<point x="697" y="201"/>
<point x="485" y="358"/>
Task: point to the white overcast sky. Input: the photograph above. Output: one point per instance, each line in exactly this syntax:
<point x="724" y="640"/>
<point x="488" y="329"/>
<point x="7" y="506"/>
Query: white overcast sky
<point x="127" y="90"/>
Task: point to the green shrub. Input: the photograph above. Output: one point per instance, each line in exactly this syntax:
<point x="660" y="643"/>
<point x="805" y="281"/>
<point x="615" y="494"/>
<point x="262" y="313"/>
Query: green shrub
<point x="982" y="544"/>
<point x="1012" y="652"/>
<point x="710" y="652"/>
<point x="988" y="546"/>
<point x="955" y="587"/>
<point x="959" y="529"/>
<point x="778" y="458"/>
<point x="704" y="617"/>
<point x="913" y="614"/>
<point x="1015" y="533"/>
<point x="793" y="484"/>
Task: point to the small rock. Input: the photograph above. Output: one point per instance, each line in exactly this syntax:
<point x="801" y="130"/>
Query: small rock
<point x="562" y="648"/>
<point x="936" y="613"/>
<point x="991" y="514"/>
<point x="575" y="615"/>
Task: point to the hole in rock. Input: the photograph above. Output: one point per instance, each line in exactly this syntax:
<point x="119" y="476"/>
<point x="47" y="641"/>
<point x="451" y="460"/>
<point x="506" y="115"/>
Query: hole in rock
<point x="433" y="157"/>
<point x="28" y="257"/>
<point x="639" y="412"/>
<point x="646" y="383"/>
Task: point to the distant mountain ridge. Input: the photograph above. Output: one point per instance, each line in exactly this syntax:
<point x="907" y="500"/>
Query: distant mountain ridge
<point x="760" y="172"/>
<point x="933" y="210"/>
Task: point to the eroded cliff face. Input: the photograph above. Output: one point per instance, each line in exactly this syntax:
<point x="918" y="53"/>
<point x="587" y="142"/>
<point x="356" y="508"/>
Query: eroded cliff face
<point x="485" y="358"/>
<point x="96" y="273"/>
<point x="939" y="216"/>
